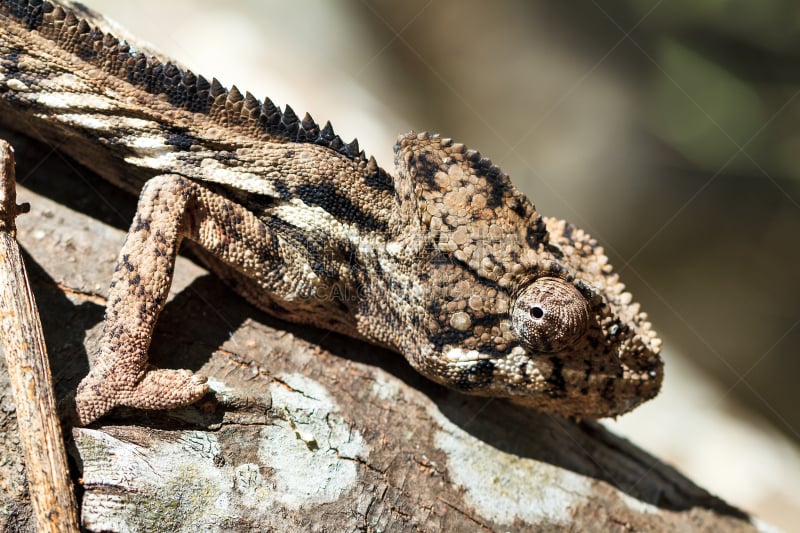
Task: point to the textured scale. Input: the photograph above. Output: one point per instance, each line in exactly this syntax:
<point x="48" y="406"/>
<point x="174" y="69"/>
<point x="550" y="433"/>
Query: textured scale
<point x="444" y="261"/>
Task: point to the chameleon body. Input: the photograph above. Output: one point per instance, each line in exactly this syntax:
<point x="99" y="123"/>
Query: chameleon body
<point x="443" y="261"/>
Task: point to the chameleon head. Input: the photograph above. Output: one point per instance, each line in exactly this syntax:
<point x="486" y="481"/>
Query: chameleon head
<point x="582" y="341"/>
<point x="515" y="304"/>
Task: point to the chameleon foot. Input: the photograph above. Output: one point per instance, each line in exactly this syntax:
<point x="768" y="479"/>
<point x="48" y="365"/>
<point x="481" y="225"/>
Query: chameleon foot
<point x="158" y="389"/>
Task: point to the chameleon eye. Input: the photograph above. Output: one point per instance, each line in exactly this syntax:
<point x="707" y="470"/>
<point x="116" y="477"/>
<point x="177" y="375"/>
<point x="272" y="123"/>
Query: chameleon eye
<point x="550" y="315"/>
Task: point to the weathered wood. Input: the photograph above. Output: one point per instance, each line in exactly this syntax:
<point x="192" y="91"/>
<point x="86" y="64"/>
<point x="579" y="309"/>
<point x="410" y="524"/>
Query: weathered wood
<point x="311" y="431"/>
<point x="49" y="483"/>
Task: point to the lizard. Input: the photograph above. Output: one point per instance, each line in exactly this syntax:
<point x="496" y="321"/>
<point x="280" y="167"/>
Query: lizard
<point x="444" y="261"/>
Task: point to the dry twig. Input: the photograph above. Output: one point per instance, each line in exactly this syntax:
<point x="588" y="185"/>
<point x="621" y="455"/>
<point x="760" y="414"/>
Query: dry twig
<point x="26" y="358"/>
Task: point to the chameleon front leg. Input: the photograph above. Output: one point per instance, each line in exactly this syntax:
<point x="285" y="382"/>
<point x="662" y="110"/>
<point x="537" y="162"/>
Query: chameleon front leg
<point x="170" y="208"/>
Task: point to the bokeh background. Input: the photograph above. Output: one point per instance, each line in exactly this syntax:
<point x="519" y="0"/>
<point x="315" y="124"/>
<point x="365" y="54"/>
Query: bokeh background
<point x="669" y="129"/>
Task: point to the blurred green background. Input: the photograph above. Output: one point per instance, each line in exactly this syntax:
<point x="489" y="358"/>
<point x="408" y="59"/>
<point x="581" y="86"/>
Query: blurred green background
<point x="669" y="129"/>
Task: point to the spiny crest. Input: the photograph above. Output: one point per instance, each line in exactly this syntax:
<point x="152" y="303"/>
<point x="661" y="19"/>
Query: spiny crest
<point x="183" y="88"/>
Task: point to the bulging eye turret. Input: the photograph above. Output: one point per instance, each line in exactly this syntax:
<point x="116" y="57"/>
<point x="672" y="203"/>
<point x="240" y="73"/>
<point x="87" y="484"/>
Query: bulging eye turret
<point x="550" y="315"/>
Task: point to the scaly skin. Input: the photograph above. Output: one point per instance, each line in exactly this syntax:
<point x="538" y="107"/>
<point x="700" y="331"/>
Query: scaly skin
<point x="444" y="262"/>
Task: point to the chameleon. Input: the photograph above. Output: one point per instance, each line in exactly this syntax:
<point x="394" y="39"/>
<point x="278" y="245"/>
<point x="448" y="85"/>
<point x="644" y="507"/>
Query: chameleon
<point x="443" y="261"/>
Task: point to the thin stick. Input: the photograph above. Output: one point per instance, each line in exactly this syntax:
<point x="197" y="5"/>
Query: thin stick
<point x="31" y="383"/>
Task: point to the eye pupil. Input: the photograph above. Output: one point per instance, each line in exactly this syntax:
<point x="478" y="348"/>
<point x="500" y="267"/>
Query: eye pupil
<point x="537" y="312"/>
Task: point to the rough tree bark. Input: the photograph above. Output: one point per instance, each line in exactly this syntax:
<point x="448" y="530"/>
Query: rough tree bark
<point x="308" y="430"/>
